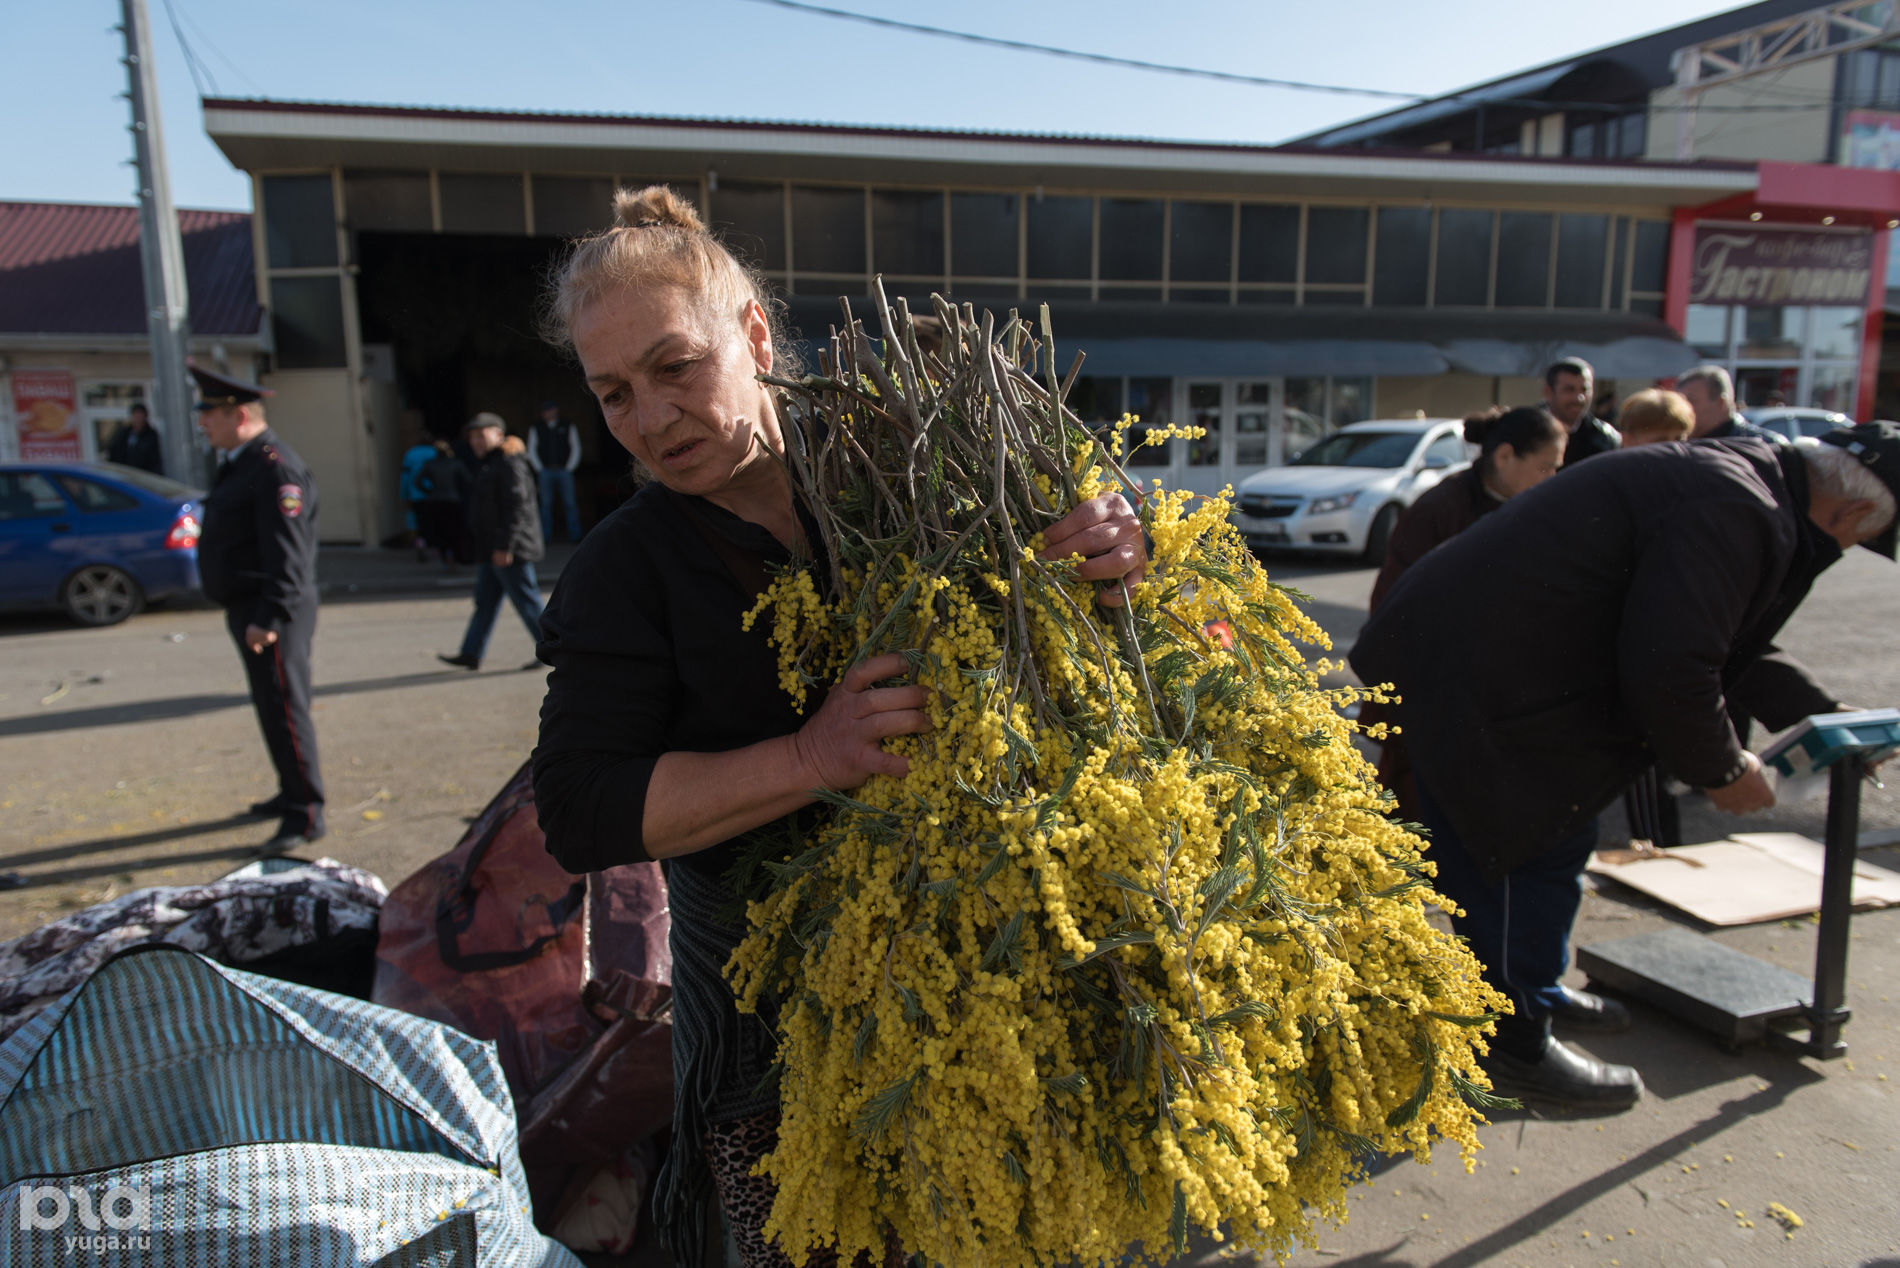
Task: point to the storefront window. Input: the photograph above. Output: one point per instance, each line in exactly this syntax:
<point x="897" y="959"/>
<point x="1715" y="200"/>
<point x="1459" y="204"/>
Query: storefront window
<point x="1770" y="334"/>
<point x="1649" y="257"/>
<point x="1252" y="408"/>
<point x="907" y="232"/>
<point x="1304" y="414"/>
<point x="983" y="235"/>
<point x="1833" y="387"/>
<point x="1351" y="401"/>
<point x="1402" y="257"/>
<point x="1201" y="246"/>
<point x="1837" y="333"/>
<point x="1132" y="238"/>
<point x="1269" y="243"/>
<point x="1336" y="245"/>
<point x="1152" y="401"/>
<point x="1059" y="232"/>
<point x="1204" y="412"/>
<point x="751" y="220"/>
<point x="299" y="222"/>
<point x="1464" y="257"/>
<point x="1523" y="259"/>
<point x="307" y="322"/>
<point x="1582" y="242"/>
<point x="827" y="230"/>
<point x="1707" y="330"/>
<point x="108" y="406"/>
<point x="1758" y="386"/>
<point x="1096" y="399"/>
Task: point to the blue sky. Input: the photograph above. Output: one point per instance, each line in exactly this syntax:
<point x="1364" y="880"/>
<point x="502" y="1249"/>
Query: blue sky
<point x="64" y="132"/>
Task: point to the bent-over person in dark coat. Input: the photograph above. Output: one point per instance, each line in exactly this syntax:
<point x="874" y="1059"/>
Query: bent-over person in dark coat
<point x="505" y="524"/>
<point x="1594" y="625"/>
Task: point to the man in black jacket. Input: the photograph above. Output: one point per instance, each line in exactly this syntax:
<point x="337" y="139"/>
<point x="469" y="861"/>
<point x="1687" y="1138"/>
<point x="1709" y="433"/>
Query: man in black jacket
<point x="257" y="559"/>
<point x="1711" y="395"/>
<point x="505" y="525"/>
<point x="136" y="444"/>
<point x="1600" y="622"/>
<point x="1567" y="387"/>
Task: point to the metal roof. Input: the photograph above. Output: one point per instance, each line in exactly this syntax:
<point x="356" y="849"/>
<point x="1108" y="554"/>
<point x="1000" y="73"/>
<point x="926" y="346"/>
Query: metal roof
<point x="73" y="269"/>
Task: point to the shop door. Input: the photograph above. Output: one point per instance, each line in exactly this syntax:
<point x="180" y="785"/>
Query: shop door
<point x="1237" y="415"/>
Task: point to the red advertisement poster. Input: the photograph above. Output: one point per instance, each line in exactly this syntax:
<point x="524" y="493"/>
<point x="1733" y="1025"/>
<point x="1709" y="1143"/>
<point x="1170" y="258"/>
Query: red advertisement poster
<point x="46" y="416"/>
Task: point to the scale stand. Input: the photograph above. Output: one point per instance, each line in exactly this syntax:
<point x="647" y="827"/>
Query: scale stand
<point x="1736" y="997"/>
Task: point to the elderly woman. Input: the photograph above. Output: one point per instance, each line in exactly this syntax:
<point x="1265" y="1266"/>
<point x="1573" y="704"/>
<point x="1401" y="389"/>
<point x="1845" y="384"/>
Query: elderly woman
<point x="665" y="734"/>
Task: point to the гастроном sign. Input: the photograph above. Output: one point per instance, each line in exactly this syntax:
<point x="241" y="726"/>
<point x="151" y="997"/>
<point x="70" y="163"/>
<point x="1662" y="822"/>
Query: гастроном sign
<point x="1764" y="267"/>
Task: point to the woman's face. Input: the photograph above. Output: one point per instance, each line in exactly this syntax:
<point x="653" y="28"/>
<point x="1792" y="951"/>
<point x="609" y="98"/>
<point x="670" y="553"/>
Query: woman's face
<point x="1512" y="472"/>
<point x="676" y="385"/>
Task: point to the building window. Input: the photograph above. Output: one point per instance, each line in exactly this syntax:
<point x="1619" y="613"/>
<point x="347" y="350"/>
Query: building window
<point x="1336" y="246"/>
<point x="751" y="220"/>
<point x="1582" y="247"/>
<point x="1402" y="257"/>
<point x="1523" y="259"/>
<point x="299" y="222"/>
<point x="1132" y="241"/>
<point x="1805" y="356"/>
<point x="907" y="232"/>
<point x="983" y="234"/>
<point x="827" y="230"/>
<point x="1059" y="237"/>
<point x="389" y="202"/>
<point x="1270" y="243"/>
<point x="570" y="206"/>
<point x="1201" y="243"/>
<point x="307" y="323"/>
<point x="1464" y="258"/>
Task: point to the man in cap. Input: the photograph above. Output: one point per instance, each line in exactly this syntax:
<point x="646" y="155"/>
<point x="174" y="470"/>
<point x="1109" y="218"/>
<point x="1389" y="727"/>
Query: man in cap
<point x="554" y="451"/>
<point x="1542" y="669"/>
<point x="257" y="559"/>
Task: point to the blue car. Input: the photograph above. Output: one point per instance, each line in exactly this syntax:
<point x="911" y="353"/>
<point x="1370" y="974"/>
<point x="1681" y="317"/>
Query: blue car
<point x="100" y="541"/>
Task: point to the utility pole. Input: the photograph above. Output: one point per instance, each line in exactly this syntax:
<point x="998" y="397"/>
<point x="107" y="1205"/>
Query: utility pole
<point x="162" y="254"/>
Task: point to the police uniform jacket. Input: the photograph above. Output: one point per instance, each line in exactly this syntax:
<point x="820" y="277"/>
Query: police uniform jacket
<point x="1597" y="623"/>
<point x="257" y="555"/>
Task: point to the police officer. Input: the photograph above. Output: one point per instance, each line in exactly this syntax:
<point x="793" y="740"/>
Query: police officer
<point x="257" y="558"/>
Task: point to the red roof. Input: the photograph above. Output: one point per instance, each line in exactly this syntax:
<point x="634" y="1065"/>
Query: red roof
<point x="73" y="269"/>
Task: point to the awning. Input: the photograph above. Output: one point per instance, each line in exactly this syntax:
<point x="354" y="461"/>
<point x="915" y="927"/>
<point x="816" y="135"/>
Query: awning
<point x="1218" y="341"/>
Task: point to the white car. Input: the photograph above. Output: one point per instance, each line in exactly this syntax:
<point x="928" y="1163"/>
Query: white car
<point x="1344" y="493"/>
<point x="1796" y="423"/>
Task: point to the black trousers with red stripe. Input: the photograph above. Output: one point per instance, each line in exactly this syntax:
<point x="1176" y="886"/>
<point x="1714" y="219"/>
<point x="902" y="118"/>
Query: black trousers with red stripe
<point x="280" y="692"/>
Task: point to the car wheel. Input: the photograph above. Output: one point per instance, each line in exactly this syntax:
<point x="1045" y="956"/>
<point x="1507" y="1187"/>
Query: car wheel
<point x="1380" y="534"/>
<point x="100" y="594"/>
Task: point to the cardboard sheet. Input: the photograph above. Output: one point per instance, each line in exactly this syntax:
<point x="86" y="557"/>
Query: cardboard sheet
<point x="1750" y="877"/>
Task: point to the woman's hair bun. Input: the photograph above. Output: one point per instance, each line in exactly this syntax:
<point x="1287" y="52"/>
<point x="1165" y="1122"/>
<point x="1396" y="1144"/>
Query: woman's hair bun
<point x="655" y="205"/>
<point x="1477" y="425"/>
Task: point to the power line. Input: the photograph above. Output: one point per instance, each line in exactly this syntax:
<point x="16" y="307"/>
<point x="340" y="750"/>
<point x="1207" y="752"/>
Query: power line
<point x="192" y="62"/>
<point x="1259" y="81"/>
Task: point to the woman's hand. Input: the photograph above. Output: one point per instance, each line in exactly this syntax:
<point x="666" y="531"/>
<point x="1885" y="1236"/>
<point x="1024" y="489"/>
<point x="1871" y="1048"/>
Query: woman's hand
<point x="1105" y="531"/>
<point x="843" y="744"/>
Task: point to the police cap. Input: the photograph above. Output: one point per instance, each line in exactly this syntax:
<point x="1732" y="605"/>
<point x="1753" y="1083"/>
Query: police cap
<point x="217" y="390"/>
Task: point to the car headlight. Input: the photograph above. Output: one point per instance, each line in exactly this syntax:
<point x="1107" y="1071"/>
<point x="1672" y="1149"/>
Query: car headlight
<point x="1338" y="502"/>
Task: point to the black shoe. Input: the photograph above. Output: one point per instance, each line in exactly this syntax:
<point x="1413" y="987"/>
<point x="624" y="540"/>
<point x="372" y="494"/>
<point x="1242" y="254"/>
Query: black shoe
<point x="1566" y="1076"/>
<point x="291" y="837"/>
<point x="1583" y="1011"/>
<point x="460" y="661"/>
<point x="269" y="809"/>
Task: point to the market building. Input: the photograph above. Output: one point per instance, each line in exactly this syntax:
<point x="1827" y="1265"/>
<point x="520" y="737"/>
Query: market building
<point x="74" y="352"/>
<point x="1267" y="294"/>
<point x="1782" y="81"/>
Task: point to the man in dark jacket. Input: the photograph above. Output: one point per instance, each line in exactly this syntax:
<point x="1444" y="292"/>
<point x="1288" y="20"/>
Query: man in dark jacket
<point x="1598" y="623"/>
<point x="505" y="525"/>
<point x="1567" y="387"/>
<point x="136" y="444"/>
<point x="257" y="559"/>
<point x="1711" y="395"/>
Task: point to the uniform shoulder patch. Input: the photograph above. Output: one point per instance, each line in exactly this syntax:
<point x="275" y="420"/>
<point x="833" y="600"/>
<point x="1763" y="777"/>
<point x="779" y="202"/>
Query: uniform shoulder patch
<point x="290" y="500"/>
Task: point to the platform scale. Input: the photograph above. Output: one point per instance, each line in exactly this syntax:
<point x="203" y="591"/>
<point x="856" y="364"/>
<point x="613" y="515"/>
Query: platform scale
<point x="1734" y="996"/>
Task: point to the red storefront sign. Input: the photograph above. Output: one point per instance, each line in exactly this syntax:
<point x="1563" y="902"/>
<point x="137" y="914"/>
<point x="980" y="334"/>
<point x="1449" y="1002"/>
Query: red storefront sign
<point x="46" y="416"/>
<point x="1761" y="268"/>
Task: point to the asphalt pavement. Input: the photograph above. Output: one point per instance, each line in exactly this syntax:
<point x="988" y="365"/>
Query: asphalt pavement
<point x="125" y="753"/>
